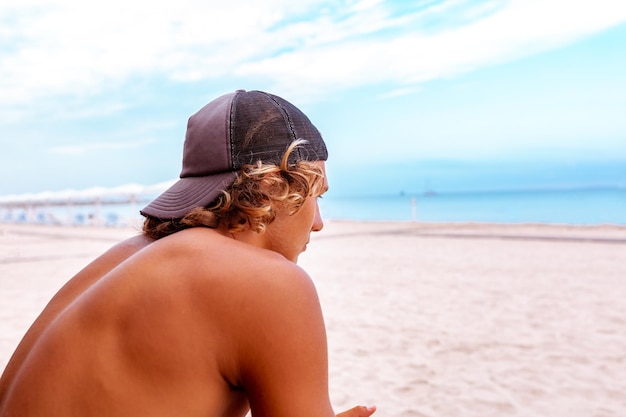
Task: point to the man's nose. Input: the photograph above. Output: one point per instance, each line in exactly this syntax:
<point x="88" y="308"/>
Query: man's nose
<point x="318" y="223"/>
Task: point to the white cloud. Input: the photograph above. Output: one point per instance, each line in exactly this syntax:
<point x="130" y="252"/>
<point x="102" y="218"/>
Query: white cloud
<point x="522" y="28"/>
<point x="76" y="48"/>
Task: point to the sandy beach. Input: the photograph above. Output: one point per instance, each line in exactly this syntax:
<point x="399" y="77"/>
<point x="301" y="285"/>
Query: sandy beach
<point x="423" y="320"/>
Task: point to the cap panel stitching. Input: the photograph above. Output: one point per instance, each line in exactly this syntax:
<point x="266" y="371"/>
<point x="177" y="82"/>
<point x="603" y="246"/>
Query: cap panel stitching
<point x="230" y="130"/>
<point x="287" y="119"/>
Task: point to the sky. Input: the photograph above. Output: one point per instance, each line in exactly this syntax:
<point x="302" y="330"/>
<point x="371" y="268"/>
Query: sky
<point x="409" y="95"/>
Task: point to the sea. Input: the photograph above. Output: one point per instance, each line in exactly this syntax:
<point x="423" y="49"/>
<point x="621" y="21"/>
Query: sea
<point x="571" y="206"/>
<point x="584" y="206"/>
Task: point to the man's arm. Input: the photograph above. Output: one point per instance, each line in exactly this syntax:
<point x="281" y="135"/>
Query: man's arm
<point x="283" y="351"/>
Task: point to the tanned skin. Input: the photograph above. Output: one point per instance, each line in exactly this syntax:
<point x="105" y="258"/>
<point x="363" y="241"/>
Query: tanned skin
<point x="200" y="323"/>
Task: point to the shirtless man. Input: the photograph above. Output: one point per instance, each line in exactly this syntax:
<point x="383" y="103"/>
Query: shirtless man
<point x="206" y="313"/>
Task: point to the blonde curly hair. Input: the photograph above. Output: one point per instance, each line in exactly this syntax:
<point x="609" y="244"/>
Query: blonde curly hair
<point x="250" y="203"/>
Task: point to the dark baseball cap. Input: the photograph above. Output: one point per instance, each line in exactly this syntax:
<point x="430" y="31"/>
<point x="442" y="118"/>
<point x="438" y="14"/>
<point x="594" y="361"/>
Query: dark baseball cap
<point x="233" y="130"/>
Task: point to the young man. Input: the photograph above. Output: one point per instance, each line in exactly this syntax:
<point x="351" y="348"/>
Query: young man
<point x="206" y="313"/>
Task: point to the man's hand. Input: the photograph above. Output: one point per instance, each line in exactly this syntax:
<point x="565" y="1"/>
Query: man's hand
<point x="358" y="411"/>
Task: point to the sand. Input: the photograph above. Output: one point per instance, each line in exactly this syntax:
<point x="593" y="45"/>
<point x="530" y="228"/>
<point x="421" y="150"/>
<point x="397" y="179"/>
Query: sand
<point x="423" y="319"/>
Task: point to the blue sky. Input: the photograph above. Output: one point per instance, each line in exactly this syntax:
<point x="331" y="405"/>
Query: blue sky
<point x="450" y="94"/>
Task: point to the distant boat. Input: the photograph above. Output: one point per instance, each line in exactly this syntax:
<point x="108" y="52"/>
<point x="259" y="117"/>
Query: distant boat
<point x="428" y="192"/>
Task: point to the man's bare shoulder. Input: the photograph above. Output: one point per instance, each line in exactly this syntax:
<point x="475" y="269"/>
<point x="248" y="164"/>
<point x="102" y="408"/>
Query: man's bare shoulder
<point x="117" y="254"/>
<point x="98" y="268"/>
<point x="238" y="277"/>
<point x="203" y="253"/>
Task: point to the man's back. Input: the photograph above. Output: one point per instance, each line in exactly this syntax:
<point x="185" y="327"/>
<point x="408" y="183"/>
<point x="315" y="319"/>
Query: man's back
<point x="156" y="334"/>
<point x="70" y="291"/>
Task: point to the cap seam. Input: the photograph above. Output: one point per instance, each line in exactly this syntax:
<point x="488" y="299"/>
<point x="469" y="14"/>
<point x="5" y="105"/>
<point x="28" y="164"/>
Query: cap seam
<point x="230" y="131"/>
<point x="287" y="118"/>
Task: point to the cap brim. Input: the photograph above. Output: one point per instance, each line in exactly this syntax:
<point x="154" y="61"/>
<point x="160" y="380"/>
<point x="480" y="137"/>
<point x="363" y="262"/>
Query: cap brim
<point x="188" y="193"/>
